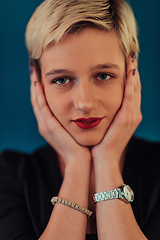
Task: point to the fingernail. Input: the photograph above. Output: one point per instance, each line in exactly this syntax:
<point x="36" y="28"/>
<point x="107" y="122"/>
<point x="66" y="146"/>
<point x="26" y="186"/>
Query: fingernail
<point x="35" y="83"/>
<point x="133" y="56"/>
<point x="30" y="70"/>
<point x="134" y="71"/>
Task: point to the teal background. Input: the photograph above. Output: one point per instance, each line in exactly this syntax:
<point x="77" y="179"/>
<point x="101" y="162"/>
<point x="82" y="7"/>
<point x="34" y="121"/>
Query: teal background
<point x="18" y="127"/>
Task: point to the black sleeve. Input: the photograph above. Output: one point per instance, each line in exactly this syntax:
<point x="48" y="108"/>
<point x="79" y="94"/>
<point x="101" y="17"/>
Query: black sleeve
<point x="152" y="228"/>
<point x="142" y="173"/>
<point x="15" y="222"/>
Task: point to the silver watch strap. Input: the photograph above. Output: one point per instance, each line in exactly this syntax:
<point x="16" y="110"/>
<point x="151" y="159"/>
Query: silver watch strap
<point x="124" y="193"/>
<point x="112" y="194"/>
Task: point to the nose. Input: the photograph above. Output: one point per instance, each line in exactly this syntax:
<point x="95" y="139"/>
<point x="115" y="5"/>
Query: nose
<point x="85" y="99"/>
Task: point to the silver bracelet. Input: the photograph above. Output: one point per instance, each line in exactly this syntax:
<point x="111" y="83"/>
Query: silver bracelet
<point x="72" y="205"/>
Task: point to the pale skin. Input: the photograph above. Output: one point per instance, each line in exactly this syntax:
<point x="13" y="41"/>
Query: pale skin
<point x="86" y="157"/>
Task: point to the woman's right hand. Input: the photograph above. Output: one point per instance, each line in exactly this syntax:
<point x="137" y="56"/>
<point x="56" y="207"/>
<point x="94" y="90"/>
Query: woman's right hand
<point x="51" y="129"/>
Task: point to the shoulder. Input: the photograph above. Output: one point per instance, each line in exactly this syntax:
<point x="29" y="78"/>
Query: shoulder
<point x="19" y="163"/>
<point x="144" y="151"/>
<point x="42" y="153"/>
<point x="143" y="160"/>
<point x="144" y="145"/>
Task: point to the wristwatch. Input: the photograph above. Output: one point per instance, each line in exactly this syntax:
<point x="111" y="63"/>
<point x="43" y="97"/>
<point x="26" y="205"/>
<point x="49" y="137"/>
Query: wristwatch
<point x="124" y="193"/>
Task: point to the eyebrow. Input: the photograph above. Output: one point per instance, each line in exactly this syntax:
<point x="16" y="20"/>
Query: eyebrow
<point x="52" y="72"/>
<point x="104" y="66"/>
<point x="99" y="66"/>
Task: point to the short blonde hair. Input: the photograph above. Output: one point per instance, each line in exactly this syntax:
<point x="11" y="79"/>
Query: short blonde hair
<point x="53" y="19"/>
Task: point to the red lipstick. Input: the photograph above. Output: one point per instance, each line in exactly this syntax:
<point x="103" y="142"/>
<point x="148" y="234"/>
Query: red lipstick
<point x="86" y="123"/>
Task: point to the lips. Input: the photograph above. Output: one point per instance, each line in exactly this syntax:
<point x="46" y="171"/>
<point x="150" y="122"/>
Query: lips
<point x="86" y="123"/>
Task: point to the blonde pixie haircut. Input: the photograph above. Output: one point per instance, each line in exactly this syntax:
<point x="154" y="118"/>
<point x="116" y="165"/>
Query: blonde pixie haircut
<point x="53" y="19"/>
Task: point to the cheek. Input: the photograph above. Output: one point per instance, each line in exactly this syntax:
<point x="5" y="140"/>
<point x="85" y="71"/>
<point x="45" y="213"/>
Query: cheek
<point x="113" y="99"/>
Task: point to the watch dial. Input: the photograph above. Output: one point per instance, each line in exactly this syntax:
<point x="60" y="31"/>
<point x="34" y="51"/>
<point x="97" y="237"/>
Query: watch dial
<point x="128" y="193"/>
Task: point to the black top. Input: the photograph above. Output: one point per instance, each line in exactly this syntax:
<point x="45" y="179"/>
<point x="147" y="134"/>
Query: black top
<point x="28" y="182"/>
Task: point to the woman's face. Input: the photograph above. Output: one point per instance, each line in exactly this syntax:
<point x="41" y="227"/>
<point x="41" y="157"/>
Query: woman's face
<point x="83" y="78"/>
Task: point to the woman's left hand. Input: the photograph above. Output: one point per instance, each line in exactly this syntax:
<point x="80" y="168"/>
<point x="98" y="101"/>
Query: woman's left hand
<point x="125" y="122"/>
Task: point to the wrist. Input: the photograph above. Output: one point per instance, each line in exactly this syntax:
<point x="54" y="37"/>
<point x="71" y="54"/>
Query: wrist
<point x="79" y="157"/>
<point x="77" y="174"/>
<point x="106" y="164"/>
<point x="78" y="163"/>
<point x="75" y="169"/>
<point x="75" y="186"/>
<point x="108" y="176"/>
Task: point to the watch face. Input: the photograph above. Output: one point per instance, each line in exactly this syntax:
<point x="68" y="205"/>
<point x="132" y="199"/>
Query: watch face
<point x="128" y="193"/>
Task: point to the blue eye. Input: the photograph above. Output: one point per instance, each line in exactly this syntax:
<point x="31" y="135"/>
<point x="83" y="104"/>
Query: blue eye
<point x="103" y="76"/>
<point x="61" y="81"/>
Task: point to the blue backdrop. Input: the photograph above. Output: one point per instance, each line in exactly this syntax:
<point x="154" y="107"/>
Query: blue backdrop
<point x="18" y="127"/>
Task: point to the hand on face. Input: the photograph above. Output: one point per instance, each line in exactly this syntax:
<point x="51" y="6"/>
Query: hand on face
<point x="126" y="120"/>
<point x="50" y="128"/>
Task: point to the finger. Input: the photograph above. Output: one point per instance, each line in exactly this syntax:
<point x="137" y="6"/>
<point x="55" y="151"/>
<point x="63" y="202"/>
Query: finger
<point x="34" y="100"/>
<point x="45" y="114"/>
<point x="37" y="93"/>
<point x="46" y="120"/>
<point x="137" y="87"/>
<point x="133" y="65"/>
<point x="132" y="97"/>
<point x="39" y="117"/>
<point x="43" y="106"/>
<point x="129" y="87"/>
<point x="34" y="80"/>
<point x="132" y="62"/>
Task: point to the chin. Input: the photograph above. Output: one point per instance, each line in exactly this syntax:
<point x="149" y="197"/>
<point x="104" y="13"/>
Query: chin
<point x="87" y="142"/>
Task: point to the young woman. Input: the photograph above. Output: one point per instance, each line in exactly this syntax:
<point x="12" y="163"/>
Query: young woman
<point x="86" y="96"/>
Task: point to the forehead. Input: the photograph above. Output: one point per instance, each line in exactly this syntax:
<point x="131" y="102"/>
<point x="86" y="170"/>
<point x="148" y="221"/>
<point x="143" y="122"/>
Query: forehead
<point x="90" y="45"/>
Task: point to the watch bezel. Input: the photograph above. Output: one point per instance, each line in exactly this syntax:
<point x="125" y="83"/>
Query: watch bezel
<point x="130" y="191"/>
